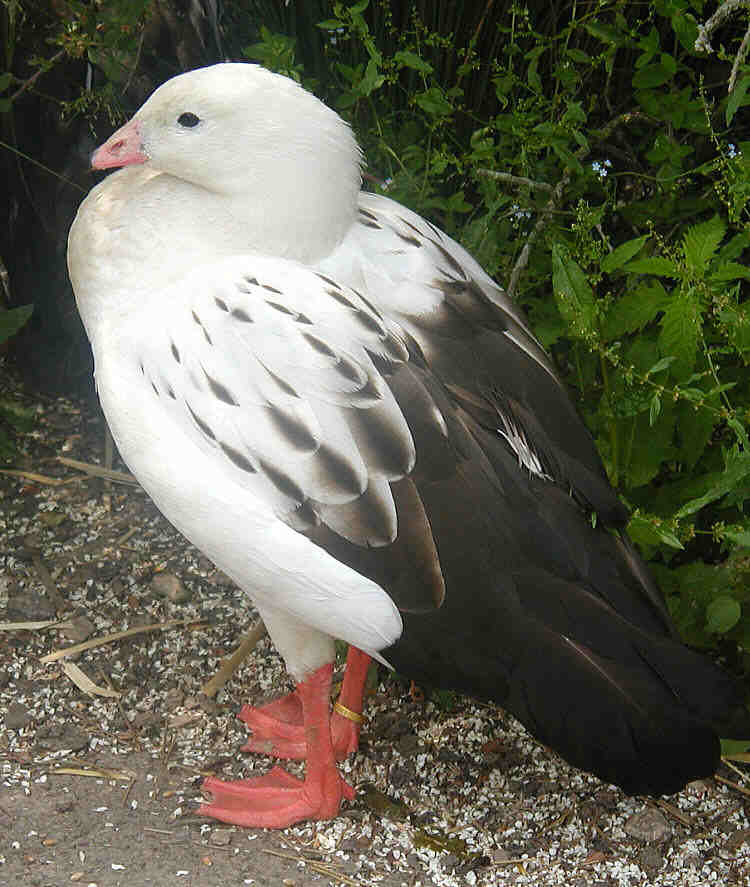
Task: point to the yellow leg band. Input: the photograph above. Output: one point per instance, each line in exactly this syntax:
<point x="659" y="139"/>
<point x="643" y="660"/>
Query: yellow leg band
<point x="349" y="714"/>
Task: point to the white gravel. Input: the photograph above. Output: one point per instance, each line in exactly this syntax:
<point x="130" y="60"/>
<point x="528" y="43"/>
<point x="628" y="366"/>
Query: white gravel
<point x="450" y="792"/>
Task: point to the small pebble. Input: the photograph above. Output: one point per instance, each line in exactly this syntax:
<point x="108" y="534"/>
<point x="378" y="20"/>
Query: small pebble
<point x="29" y="606"/>
<point x="17" y="716"/>
<point x="170" y="586"/>
<point x="221" y="837"/>
<point x="648" y="825"/>
<point x="78" y="629"/>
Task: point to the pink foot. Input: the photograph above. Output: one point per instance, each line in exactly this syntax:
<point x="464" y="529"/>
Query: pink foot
<point x="278" y="729"/>
<point x="278" y="799"/>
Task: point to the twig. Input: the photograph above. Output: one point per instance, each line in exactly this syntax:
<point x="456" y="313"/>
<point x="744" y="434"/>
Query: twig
<point x="513" y="180"/>
<point x="739" y="59"/>
<point x="5" y="281"/>
<point x="97" y="772"/>
<point x="739" y="788"/>
<point x="599" y="135"/>
<point x="232" y="663"/>
<point x="725" y="759"/>
<point x="34" y="77"/>
<point x="19" y="153"/>
<point x="477" y="30"/>
<point x="523" y="260"/>
<point x="119" y="477"/>
<point x="702" y="41"/>
<point x="29" y="626"/>
<point x="557" y="192"/>
<point x="125" y="536"/>
<point x="135" y="63"/>
<point x="116" y="636"/>
<point x="35" y="478"/>
<point x="675" y="813"/>
<point x="321" y="868"/>
<point x="84" y="682"/>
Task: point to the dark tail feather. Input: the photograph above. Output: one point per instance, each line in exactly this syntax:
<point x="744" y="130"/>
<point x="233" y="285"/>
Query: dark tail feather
<point x="649" y="729"/>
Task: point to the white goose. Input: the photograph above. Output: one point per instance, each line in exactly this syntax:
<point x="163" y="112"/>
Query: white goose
<point x="331" y="399"/>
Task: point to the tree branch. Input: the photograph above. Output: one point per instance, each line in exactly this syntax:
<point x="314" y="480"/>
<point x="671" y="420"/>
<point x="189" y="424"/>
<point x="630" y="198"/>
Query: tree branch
<point x="739" y="59"/>
<point x="523" y="260"/>
<point x="703" y="40"/>
<point x="513" y="180"/>
<point x="557" y="192"/>
<point x="37" y="74"/>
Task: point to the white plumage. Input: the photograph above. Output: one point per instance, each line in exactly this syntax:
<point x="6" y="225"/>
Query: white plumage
<point x="238" y="382"/>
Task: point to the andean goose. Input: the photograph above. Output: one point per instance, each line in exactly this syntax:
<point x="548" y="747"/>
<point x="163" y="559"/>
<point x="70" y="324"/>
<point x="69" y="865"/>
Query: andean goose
<point x="331" y="399"/>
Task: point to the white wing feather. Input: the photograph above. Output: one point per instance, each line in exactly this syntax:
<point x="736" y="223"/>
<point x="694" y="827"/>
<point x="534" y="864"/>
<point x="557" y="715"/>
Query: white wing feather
<point x="266" y="367"/>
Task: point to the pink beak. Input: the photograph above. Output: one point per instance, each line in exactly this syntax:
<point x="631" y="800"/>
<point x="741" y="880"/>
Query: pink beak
<point x="122" y="148"/>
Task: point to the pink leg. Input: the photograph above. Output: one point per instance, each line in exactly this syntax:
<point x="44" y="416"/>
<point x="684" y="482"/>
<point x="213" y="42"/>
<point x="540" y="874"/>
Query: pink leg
<point x="279" y="799"/>
<point x="278" y="726"/>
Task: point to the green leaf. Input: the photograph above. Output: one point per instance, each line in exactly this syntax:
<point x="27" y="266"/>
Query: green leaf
<point x="5" y="105"/>
<point x="412" y="60"/>
<point x="372" y="79"/>
<point x="330" y="24"/>
<point x="729" y="271"/>
<point x="731" y="747"/>
<point x="694" y="429"/>
<point x="532" y="72"/>
<point x="653" y="265"/>
<point x="5" y="80"/>
<point x="737" y="469"/>
<point x="652" y="75"/>
<point x="573" y="293"/>
<point x="722" y="614"/>
<point x="567" y="157"/>
<point x="741" y="432"/>
<point x="686" y="29"/>
<point x="734" y="247"/>
<point x="741" y="538"/>
<point x="680" y="332"/>
<point x="622" y="254"/>
<point x="606" y="33"/>
<point x="578" y="55"/>
<point x="660" y="365"/>
<point x="636" y="309"/>
<point x="12" y="320"/>
<point x="700" y="242"/>
<point x="433" y="101"/>
<point x="737" y="97"/>
<point x="644" y="530"/>
<point x="654" y="409"/>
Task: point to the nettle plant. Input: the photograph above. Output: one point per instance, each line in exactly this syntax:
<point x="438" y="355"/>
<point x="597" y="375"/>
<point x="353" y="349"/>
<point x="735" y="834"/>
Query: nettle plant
<point x="591" y="169"/>
<point x="596" y="159"/>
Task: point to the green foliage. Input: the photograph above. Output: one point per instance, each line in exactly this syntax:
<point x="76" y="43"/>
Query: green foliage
<point x="14" y="419"/>
<point x="12" y="320"/>
<point x="594" y="158"/>
<point x="275" y="52"/>
<point x="597" y="122"/>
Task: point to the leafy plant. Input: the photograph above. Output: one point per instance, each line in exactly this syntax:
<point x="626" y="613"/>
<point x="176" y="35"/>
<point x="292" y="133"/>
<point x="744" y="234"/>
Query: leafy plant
<point x="598" y="162"/>
<point x="14" y="419"/>
<point x="596" y="159"/>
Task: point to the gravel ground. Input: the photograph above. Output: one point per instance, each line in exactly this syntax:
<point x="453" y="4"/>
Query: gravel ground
<point x="101" y="789"/>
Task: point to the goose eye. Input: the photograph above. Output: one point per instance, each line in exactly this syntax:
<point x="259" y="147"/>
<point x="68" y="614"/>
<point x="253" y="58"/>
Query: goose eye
<point x="188" y="119"/>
